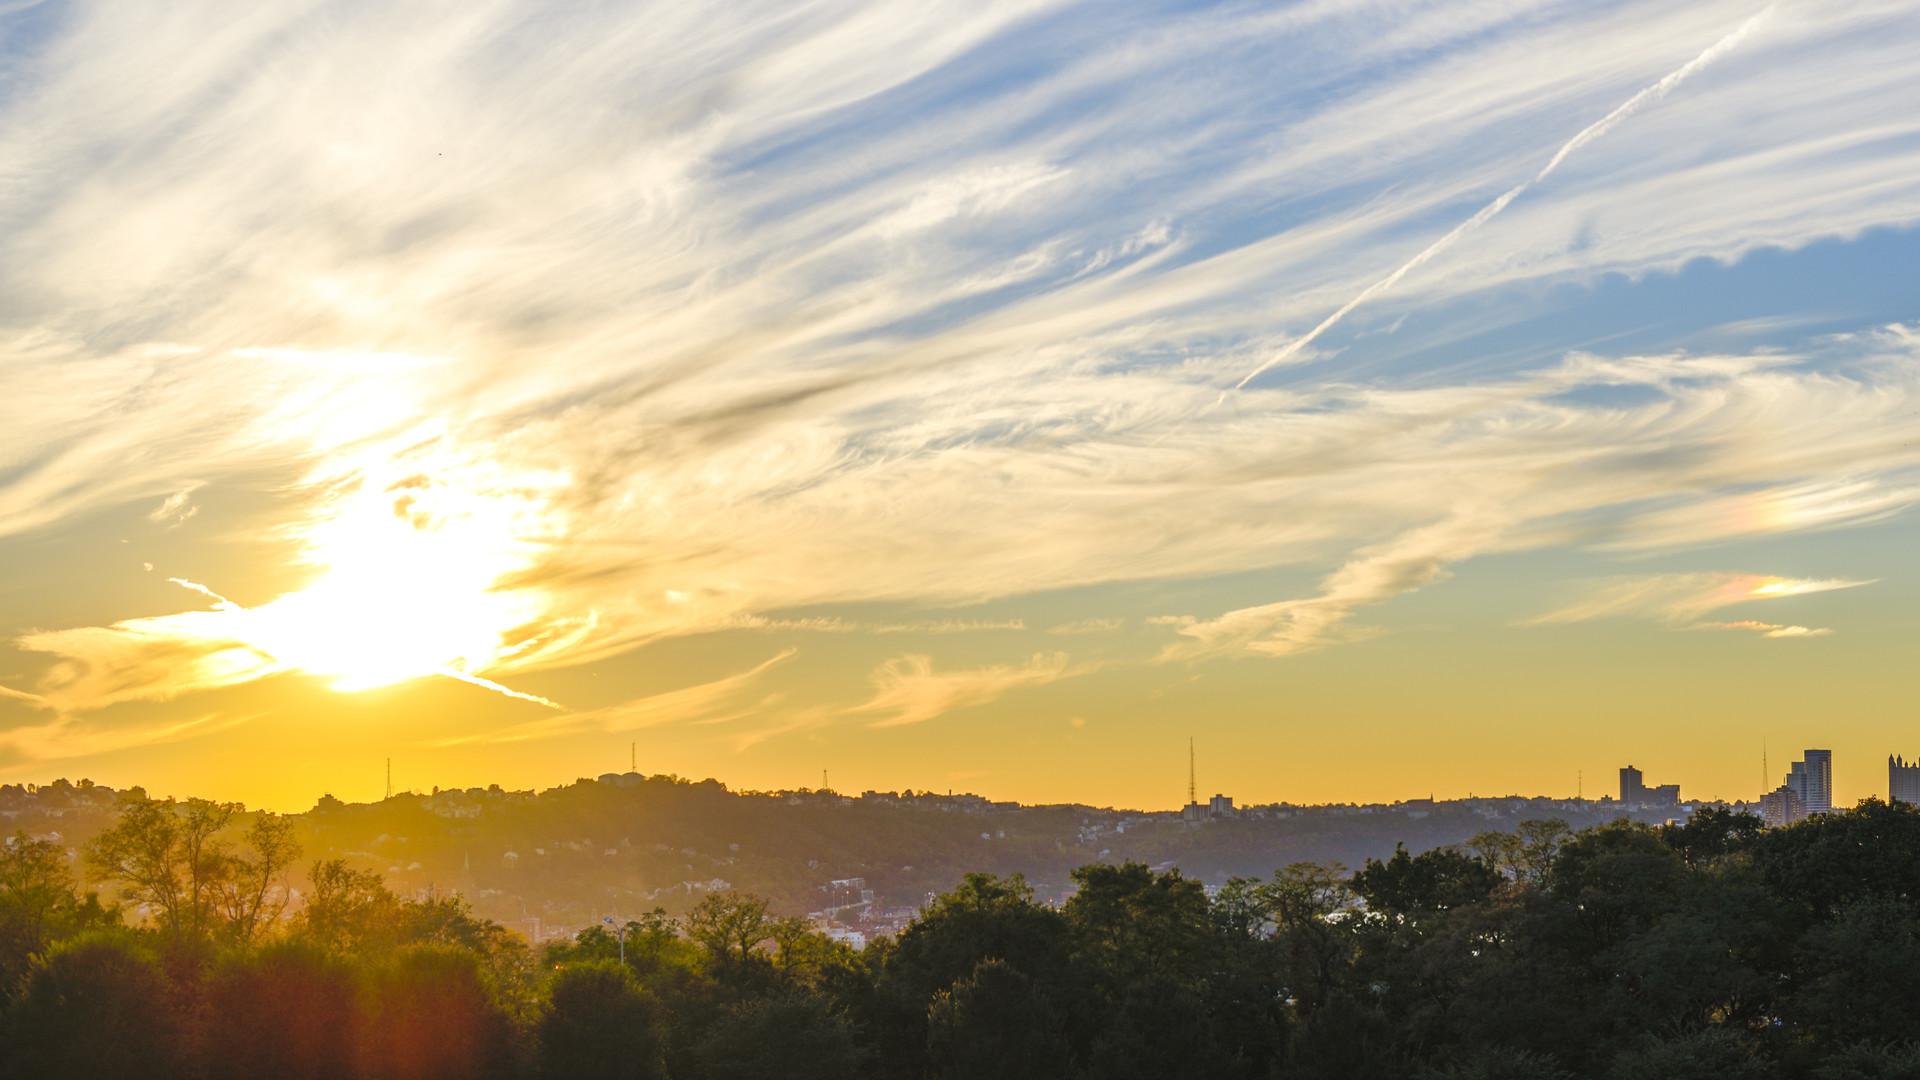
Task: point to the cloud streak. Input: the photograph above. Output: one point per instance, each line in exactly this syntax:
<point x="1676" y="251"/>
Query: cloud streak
<point x="908" y="690"/>
<point x="1682" y="600"/>
<point x="1592" y="131"/>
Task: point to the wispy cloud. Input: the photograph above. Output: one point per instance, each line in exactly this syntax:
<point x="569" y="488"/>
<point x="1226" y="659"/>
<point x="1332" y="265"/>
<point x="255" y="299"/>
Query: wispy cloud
<point x="1683" y="599"/>
<point x="11" y="694"/>
<point x="1765" y="629"/>
<point x="1081" y="627"/>
<point x="703" y="314"/>
<point x="907" y="689"/>
<point x="715" y="700"/>
<point x="71" y="737"/>
<point x="176" y="509"/>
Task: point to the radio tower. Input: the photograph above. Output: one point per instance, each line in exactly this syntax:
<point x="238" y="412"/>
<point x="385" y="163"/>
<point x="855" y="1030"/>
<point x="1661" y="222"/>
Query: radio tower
<point x="389" y="778"/>
<point x="1193" y="793"/>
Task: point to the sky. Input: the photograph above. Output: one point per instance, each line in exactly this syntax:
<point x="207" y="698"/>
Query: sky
<point x="1395" y="398"/>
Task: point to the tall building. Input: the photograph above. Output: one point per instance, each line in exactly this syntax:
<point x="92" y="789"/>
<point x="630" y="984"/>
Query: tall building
<point x="1808" y="790"/>
<point x="1781" y="806"/>
<point x="1903" y="781"/>
<point x="1634" y="791"/>
<point x="1819" y="782"/>
<point x="1630" y="785"/>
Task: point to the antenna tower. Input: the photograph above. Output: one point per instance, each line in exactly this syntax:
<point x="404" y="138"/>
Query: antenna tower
<point x="389" y="778"/>
<point x="823" y="781"/>
<point x="1193" y="793"/>
<point x="633" y="757"/>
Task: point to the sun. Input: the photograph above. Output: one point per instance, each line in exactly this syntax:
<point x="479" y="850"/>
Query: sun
<point x="418" y="577"/>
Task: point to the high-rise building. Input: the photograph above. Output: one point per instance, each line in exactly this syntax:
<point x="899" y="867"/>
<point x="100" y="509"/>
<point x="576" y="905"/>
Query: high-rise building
<point x="1634" y="791"/>
<point x="1808" y="790"/>
<point x="1630" y="785"/>
<point x="1903" y="781"/>
<point x="1819" y="784"/>
<point x="1781" y="806"/>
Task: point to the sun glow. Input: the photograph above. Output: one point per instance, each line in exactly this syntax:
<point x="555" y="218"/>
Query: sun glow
<point x="416" y="580"/>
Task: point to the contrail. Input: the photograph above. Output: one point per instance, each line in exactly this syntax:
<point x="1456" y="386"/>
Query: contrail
<point x="220" y="602"/>
<point x="1592" y="131"/>
<point x="489" y="684"/>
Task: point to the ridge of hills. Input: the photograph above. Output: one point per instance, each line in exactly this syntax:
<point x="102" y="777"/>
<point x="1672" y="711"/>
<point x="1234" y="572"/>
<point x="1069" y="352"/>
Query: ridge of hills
<point x="553" y="861"/>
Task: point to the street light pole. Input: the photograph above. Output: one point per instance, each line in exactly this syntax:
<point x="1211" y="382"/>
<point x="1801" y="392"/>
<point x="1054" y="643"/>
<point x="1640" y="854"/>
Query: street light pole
<point x="620" y="931"/>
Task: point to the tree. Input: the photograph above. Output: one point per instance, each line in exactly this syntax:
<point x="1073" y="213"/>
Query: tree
<point x="805" y="956"/>
<point x="289" y="1011"/>
<point x="430" y="1017"/>
<point x="1305" y="902"/>
<point x="1525" y="855"/>
<point x="95" y="1006"/>
<point x="600" y="1023"/>
<point x="1131" y="925"/>
<point x="984" y="918"/>
<point x="996" y="1025"/>
<point x="1830" y="860"/>
<point x="791" y="1036"/>
<point x="1711" y="833"/>
<point x="168" y="858"/>
<point x="253" y="890"/>
<point x="38" y="906"/>
<point x="1158" y="1029"/>
<point x="1898" y="1061"/>
<point x="1411" y="886"/>
<point x="1499" y="1063"/>
<point x="1861" y="974"/>
<point x="349" y="911"/>
<point x="1711" y="1054"/>
<point x="731" y="926"/>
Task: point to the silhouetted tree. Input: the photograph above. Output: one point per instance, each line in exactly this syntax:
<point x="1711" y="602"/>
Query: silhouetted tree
<point x="731" y="926"/>
<point x="791" y="1036"/>
<point x="996" y="1025"/>
<point x="166" y="855"/>
<point x="429" y="1017"/>
<point x="38" y="907"/>
<point x="1713" y="832"/>
<point x="1711" y="1054"/>
<point x="290" y="1011"/>
<point x="1412" y="886"/>
<point x="600" y="1023"/>
<point x="95" y="1006"/>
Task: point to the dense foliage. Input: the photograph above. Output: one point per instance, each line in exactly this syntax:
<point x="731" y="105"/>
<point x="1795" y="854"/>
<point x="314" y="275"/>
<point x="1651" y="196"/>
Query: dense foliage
<point x="1711" y="949"/>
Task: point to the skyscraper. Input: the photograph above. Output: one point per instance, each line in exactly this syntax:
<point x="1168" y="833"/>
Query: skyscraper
<point x="1903" y="781"/>
<point x="1819" y="782"/>
<point x="1808" y="790"/>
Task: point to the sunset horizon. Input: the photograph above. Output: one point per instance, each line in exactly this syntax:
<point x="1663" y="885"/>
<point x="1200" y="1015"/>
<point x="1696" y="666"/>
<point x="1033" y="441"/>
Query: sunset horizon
<point x="960" y="540"/>
<point x="991" y="397"/>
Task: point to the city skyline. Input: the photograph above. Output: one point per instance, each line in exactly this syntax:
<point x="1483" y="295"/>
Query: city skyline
<point x="1901" y="784"/>
<point x="1401" y="399"/>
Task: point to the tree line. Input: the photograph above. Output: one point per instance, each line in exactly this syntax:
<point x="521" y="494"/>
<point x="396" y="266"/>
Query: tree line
<point x="1713" y="948"/>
